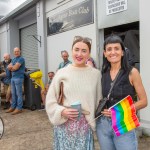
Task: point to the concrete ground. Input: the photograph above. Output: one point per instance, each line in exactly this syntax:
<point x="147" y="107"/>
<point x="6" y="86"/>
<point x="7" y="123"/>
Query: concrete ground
<point x="31" y="130"/>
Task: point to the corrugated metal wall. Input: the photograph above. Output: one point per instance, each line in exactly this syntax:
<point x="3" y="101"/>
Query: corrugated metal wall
<point x="29" y="46"/>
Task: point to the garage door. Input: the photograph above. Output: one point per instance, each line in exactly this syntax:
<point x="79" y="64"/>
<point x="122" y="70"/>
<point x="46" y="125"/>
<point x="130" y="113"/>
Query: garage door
<point x="29" y="46"/>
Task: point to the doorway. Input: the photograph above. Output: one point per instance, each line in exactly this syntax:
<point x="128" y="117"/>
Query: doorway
<point x="129" y="33"/>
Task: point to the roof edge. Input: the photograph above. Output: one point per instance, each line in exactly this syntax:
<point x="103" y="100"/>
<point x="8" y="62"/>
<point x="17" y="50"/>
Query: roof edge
<point x="18" y="10"/>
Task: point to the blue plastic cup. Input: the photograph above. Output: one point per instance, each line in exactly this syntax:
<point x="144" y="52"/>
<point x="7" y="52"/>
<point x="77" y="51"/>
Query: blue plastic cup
<point x="77" y="105"/>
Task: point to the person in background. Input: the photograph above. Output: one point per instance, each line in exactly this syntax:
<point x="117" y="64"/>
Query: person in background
<point x="5" y="77"/>
<point x="128" y="83"/>
<point x="66" y="61"/>
<point x="51" y="76"/>
<point x="44" y="91"/>
<point x="72" y="130"/>
<point x="17" y="68"/>
<point x="90" y="62"/>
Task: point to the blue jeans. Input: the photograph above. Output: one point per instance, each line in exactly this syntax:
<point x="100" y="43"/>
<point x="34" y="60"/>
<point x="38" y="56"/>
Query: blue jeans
<point x="109" y="141"/>
<point x="16" y="89"/>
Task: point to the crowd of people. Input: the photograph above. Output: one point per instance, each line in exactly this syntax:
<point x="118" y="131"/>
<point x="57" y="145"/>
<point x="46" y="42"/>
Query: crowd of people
<point x="83" y="86"/>
<point x="12" y="76"/>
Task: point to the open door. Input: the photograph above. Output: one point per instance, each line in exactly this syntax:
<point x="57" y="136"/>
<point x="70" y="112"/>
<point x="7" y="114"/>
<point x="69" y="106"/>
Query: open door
<point x="130" y="36"/>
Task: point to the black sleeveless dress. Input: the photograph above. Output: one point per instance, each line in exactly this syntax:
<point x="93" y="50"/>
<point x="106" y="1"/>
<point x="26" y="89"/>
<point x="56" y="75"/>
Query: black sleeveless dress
<point x="121" y="89"/>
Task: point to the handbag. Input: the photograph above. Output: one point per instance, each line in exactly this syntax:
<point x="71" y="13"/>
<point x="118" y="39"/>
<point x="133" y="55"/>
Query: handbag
<point x="60" y="100"/>
<point x="103" y="101"/>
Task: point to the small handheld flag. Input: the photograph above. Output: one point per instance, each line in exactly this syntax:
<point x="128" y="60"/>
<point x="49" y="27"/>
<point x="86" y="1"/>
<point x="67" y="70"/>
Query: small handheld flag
<point x="124" y="116"/>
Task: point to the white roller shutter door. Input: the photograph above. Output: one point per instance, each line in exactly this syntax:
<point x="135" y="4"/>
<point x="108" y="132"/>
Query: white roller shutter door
<point x="29" y="46"/>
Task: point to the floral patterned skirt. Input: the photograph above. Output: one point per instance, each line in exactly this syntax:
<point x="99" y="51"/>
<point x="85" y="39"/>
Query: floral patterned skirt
<point x="73" y="135"/>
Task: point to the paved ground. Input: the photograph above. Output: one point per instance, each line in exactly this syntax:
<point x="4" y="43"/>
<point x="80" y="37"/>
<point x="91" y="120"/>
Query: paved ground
<point x="31" y="130"/>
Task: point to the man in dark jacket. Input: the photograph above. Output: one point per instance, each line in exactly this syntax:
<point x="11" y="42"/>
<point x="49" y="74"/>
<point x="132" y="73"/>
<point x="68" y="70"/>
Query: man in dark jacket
<point x="5" y="77"/>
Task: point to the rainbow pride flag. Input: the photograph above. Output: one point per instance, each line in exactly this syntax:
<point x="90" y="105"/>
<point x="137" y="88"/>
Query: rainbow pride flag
<point x="124" y="116"/>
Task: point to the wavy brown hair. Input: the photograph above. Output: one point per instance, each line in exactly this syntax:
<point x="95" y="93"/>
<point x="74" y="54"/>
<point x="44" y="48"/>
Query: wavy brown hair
<point x="85" y="40"/>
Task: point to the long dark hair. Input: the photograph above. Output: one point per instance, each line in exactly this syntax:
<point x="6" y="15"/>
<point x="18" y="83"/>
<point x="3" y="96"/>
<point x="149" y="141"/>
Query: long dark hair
<point x="124" y="61"/>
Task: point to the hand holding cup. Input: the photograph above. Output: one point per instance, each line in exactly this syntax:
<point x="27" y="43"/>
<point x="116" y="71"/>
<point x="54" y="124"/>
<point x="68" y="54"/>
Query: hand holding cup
<point x="77" y="105"/>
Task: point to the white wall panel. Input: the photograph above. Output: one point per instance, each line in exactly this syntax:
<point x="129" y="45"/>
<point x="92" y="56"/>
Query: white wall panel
<point x="124" y="17"/>
<point x="63" y="41"/>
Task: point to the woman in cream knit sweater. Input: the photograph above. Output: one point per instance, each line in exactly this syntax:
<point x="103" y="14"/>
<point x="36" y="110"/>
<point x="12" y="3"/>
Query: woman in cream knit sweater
<point x="80" y="83"/>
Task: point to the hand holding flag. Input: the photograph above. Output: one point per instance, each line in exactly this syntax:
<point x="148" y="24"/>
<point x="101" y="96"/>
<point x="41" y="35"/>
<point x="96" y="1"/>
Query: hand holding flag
<point x="124" y="116"/>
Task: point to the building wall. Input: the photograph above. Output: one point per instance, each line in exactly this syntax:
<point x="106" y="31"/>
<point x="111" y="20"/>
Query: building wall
<point x="13" y="36"/>
<point x="41" y="31"/>
<point x="124" y="17"/>
<point x="9" y="32"/>
<point x="10" y="38"/>
<point x="27" y="20"/>
<point x="63" y="41"/>
<point x="145" y="60"/>
<point x="3" y="40"/>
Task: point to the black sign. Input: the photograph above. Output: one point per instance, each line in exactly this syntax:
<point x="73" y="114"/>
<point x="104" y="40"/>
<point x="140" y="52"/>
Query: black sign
<point x="74" y="17"/>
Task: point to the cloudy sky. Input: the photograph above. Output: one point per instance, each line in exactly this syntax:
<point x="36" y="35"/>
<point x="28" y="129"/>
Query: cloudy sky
<point x="8" y="5"/>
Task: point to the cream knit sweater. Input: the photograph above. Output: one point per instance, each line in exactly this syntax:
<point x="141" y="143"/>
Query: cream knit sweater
<point x="80" y="84"/>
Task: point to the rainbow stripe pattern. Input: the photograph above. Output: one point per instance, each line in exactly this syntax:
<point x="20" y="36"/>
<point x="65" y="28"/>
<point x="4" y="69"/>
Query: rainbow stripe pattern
<point x="124" y="116"/>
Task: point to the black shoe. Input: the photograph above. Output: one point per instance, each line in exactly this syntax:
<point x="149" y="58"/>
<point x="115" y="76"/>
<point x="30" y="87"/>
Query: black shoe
<point x="6" y="105"/>
<point x="42" y="107"/>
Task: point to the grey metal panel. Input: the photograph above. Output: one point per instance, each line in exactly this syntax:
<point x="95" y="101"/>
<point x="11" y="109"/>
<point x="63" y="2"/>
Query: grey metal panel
<point x="18" y="10"/>
<point x="124" y="17"/>
<point x="29" y="46"/>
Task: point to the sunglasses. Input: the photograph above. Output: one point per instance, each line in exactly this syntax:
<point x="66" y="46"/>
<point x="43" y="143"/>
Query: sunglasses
<point x="86" y="39"/>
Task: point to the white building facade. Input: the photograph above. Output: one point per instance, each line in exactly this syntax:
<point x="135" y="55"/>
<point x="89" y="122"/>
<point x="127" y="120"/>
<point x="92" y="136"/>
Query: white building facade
<point x="43" y="28"/>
